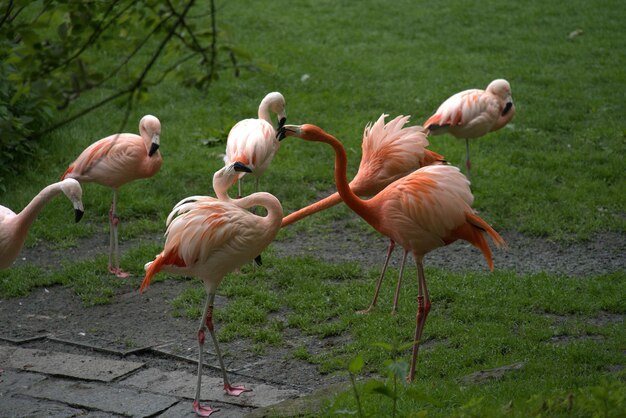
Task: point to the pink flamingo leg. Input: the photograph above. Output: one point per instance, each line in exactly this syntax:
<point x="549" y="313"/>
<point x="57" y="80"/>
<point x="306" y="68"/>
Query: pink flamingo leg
<point x="423" y="307"/>
<point x="114" y="250"/>
<point x="207" y="322"/>
<point x="390" y="248"/>
<point x="203" y="410"/>
<point x="394" y="309"/>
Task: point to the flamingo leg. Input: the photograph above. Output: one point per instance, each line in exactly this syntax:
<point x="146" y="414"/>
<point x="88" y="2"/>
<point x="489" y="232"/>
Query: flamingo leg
<point x="239" y="195"/>
<point x="208" y="322"/>
<point x="390" y="248"/>
<point x="203" y="410"/>
<point x="468" y="164"/>
<point x="423" y="307"/>
<point x="114" y="250"/>
<point x="394" y="309"/>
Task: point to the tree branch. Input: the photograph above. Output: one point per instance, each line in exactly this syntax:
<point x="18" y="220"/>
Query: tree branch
<point x="134" y="87"/>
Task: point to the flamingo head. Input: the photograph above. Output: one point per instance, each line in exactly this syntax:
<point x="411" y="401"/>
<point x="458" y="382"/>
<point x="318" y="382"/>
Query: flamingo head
<point x="151" y="127"/>
<point x="502" y="89"/>
<point x="307" y="131"/>
<point x="71" y="188"/>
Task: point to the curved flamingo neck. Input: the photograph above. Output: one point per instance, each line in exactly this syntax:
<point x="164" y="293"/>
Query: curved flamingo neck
<point x="314" y="133"/>
<point x="325" y="203"/>
<point x="264" y="111"/>
<point x="26" y="217"/>
<point x="269" y="202"/>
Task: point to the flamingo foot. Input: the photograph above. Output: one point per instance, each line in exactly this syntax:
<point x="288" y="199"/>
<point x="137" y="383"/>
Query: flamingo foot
<point x="119" y="272"/>
<point x="201" y="410"/>
<point x="365" y="311"/>
<point x="393" y="311"/>
<point x="235" y="390"/>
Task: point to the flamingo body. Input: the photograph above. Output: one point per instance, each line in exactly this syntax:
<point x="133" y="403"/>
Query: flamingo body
<point x="116" y="160"/>
<point x="254" y="142"/>
<point x="208" y="237"/>
<point x="424" y="210"/>
<point x="474" y="113"/>
<point x="14" y="227"/>
<point x="389" y="151"/>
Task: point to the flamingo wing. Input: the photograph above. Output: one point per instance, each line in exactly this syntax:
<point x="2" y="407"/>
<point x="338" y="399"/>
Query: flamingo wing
<point x="252" y="142"/>
<point x="426" y="206"/>
<point x="468" y="114"/>
<point x="113" y="161"/>
<point x="389" y="151"/>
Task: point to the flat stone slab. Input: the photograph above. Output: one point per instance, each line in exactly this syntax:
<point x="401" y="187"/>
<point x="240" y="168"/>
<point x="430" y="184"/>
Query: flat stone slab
<point x="64" y="364"/>
<point x="101" y="397"/>
<point x="184" y="409"/>
<point x="183" y="384"/>
<point x="483" y="376"/>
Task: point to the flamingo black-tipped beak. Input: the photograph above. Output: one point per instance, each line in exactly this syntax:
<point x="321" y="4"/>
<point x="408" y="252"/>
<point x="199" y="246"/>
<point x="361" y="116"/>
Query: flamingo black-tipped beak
<point x="240" y="167"/>
<point x="258" y="260"/>
<point x="78" y="215"/>
<point x="153" y="148"/>
<point x="507" y="108"/>
<point x="290" y="130"/>
<point x="280" y="132"/>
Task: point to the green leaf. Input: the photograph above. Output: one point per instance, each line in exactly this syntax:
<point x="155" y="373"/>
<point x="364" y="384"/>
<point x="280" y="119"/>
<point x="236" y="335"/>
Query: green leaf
<point x="356" y="365"/>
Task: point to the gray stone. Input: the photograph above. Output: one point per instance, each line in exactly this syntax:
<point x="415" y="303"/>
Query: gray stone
<point x="184" y="409"/>
<point x="306" y="405"/>
<point x="183" y="384"/>
<point x="102" y="397"/>
<point x="20" y="406"/>
<point x="483" y="376"/>
<point x="12" y="381"/>
<point x="63" y="364"/>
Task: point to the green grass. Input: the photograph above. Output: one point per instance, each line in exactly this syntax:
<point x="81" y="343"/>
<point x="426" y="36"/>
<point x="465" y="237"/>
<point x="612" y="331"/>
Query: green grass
<point x="550" y="323"/>
<point x="556" y="171"/>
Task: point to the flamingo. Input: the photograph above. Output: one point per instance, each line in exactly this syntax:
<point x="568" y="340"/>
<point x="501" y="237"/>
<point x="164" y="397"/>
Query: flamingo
<point x="473" y="113"/>
<point x="389" y="151"/>
<point x="254" y="142"/>
<point x="424" y="210"/>
<point x="14" y="227"/>
<point x="114" y="161"/>
<point x="207" y="238"/>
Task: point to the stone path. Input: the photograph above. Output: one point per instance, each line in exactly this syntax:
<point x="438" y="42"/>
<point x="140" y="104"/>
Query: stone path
<point x="49" y="383"/>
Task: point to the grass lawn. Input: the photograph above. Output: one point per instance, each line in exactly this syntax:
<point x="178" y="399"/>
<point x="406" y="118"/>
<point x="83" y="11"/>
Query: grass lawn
<point x="557" y="171"/>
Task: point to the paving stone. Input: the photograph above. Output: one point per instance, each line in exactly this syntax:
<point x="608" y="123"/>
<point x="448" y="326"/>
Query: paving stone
<point x="102" y="397"/>
<point x="183" y="384"/>
<point x="21" y="406"/>
<point x="309" y="405"/>
<point x="183" y="410"/>
<point x="64" y="364"/>
<point x="12" y="381"/>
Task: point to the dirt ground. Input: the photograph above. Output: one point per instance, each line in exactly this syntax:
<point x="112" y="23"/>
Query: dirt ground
<point x="133" y="321"/>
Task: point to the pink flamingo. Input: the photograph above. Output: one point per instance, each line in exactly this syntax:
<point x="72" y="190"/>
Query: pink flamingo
<point x="389" y="151"/>
<point x="14" y="228"/>
<point x="207" y="238"/>
<point x="424" y="210"/>
<point x="254" y="142"/>
<point x="114" y="161"/>
<point x="474" y="113"/>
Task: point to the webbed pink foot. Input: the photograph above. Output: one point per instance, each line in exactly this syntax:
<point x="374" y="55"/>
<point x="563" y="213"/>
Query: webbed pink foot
<point x="201" y="410"/>
<point x="235" y="390"/>
<point x="119" y="272"/>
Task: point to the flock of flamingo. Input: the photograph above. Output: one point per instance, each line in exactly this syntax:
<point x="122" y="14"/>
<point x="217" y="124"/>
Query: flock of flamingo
<point x="416" y="198"/>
